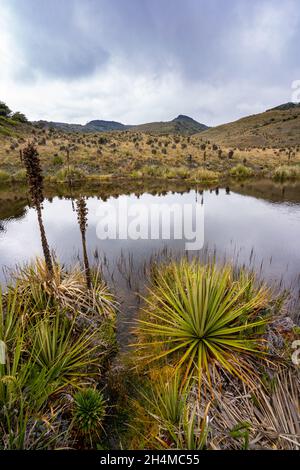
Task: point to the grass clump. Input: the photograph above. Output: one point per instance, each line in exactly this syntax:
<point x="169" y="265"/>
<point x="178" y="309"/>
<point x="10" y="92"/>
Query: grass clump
<point x="66" y="174"/>
<point x="4" y="176"/>
<point x="241" y="171"/>
<point x="19" y="176"/>
<point x="56" y="342"/>
<point x="203" y="174"/>
<point x="202" y="318"/>
<point x="285" y="172"/>
<point x="88" y="413"/>
<point x="68" y="287"/>
<point x="176" y="424"/>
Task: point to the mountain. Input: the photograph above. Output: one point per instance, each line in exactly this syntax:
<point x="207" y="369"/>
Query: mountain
<point x="277" y="127"/>
<point x="105" y="126"/>
<point x="92" y="126"/>
<point x="180" y="125"/>
<point x="285" y="106"/>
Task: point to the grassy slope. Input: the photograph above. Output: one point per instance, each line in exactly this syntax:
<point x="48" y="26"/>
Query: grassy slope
<point x="180" y="125"/>
<point x="274" y="128"/>
<point x="138" y="154"/>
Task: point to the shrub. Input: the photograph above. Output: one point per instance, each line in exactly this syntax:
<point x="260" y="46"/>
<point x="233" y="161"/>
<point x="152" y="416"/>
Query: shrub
<point x="286" y="172"/>
<point x="4" y="109"/>
<point x="64" y="174"/>
<point x="19" y="117"/>
<point x="57" y="160"/>
<point x="4" y="176"/>
<point x="88" y="412"/>
<point x="180" y="425"/>
<point x="201" y="317"/>
<point x="203" y="174"/>
<point x="51" y="351"/>
<point x="241" y="171"/>
<point x="19" y="175"/>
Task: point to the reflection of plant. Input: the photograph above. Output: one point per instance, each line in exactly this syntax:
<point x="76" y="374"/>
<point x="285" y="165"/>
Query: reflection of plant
<point x="35" y="182"/>
<point x="89" y="412"/>
<point x="199" y="317"/>
<point x="82" y="212"/>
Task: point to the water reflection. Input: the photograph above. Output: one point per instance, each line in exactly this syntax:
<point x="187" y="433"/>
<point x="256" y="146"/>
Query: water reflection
<point x="239" y="226"/>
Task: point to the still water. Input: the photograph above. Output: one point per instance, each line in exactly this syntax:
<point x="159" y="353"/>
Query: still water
<point x="248" y="225"/>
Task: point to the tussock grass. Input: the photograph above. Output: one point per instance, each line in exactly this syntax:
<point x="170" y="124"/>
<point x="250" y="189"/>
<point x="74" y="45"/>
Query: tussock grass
<point x="58" y="335"/>
<point x="202" y="318"/>
<point x="64" y="174"/>
<point x="286" y="172"/>
<point x="241" y="171"/>
<point x="4" y="176"/>
<point x="203" y="174"/>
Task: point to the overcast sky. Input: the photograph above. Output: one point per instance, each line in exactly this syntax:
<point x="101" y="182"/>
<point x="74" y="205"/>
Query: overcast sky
<point x="137" y="61"/>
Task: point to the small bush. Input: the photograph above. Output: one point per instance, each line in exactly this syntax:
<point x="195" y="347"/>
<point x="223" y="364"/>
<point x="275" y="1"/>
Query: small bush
<point x="200" y="317"/>
<point x="19" y="175"/>
<point x="241" y="171"/>
<point x="286" y="172"/>
<point x="57" y="160"/>
<point x="203" y="174"/>
<point x="89" y="412"/>
<point x="74" y="174"/>
<point x="4" y="176"/>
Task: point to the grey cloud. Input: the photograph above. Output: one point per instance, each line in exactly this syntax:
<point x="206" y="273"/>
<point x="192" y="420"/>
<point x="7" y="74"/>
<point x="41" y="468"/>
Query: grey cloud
<point x="51" y="42"/>
<point x="201" y="39"/>
<point x="245" y="50"/>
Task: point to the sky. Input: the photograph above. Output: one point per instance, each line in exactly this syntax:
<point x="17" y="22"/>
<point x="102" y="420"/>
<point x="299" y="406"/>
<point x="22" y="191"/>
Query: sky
<point x="136" y="61"/>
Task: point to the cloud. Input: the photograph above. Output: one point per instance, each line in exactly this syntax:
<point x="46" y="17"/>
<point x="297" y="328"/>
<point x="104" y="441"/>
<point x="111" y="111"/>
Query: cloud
<point x="141" y="60"/>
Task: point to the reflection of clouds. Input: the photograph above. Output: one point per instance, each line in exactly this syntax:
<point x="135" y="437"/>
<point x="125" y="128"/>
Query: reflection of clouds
<point x="234" y="225"/>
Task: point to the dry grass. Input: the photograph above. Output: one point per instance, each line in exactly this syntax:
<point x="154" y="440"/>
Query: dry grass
<point x="68" y="289"/>
<point x="258" y="419"/>
<point x="136" y="154"/>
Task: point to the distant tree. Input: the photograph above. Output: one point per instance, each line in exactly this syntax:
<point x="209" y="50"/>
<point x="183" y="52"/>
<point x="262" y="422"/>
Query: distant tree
<point x="20" y="117"/>
<point x="4" y="109"/>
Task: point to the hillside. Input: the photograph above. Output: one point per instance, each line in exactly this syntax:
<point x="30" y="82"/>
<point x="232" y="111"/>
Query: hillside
<point x="89" y="127"/>
<point x="180" y="125"/>
<point x="277" y="127"/>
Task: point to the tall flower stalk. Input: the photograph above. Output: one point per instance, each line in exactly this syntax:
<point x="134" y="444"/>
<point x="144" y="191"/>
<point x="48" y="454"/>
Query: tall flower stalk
<point x="33" y="168"/>
<point x="82" y="212"/>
